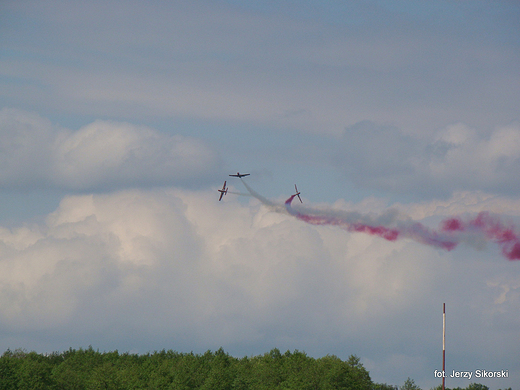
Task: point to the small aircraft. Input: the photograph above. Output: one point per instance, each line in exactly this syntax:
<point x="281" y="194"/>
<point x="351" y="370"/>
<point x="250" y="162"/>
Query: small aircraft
<point x="223" y="191"/>
<point x="240" y="175"/>
<point x="297" y="193"/>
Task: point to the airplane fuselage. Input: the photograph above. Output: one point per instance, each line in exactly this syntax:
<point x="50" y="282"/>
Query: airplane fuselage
<point x="223" y="191"/>
<point x="240" y="175"/>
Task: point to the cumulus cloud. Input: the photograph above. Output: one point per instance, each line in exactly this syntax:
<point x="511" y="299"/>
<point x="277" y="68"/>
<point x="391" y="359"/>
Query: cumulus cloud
<point x="460" y="155"/>
<point x="455" y="158"/>
<point x="141" y="270"/>
<point x="34" y="153"/>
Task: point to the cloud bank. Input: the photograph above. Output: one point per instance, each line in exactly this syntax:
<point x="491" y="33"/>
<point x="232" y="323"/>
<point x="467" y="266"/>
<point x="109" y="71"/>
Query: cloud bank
<point x="34" y="153"/>
<point x="137" y="270"/>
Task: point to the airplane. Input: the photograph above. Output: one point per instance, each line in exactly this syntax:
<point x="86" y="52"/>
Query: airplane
<point x="297" y="193"/>
<point x="223" y="191"/>
<point x="240" y="175"/>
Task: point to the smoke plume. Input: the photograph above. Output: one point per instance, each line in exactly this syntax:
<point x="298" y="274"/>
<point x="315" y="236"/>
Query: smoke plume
<point x="392" y="225"/>
<point x="451" y="232"/>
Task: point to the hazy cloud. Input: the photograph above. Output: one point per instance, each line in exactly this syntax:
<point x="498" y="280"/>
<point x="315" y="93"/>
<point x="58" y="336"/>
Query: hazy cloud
<point x="202" y="60"/>
<point x="102" y="155"/>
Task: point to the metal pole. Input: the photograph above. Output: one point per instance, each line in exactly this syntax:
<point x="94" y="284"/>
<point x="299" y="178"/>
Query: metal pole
<point x="443" y="343"/>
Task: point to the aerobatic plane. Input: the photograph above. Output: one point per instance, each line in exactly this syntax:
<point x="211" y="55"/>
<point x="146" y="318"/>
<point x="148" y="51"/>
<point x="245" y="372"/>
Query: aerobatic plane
<point x="240" y="175"/>
<point x="297" y="193"/>
<point x="223" y="191"/>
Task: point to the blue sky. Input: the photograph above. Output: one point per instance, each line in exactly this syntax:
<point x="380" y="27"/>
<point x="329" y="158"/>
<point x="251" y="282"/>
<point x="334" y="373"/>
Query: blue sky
<point x="118" y="122"/>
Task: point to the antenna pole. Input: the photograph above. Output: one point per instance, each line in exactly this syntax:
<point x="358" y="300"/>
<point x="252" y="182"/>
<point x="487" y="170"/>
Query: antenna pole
<point x="443" y="343"/>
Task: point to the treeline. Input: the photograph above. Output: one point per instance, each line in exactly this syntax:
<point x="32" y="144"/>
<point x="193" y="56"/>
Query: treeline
<point x="409" y="384"/>
<point x="471" y="386"/>
<point x="90" y="369"/>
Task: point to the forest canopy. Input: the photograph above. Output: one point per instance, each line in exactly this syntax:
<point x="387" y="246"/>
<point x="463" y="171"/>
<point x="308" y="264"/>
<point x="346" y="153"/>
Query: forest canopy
<point x="91" y="369"/>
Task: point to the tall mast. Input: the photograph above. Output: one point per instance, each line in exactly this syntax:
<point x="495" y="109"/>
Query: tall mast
<point x="443" y="343"/>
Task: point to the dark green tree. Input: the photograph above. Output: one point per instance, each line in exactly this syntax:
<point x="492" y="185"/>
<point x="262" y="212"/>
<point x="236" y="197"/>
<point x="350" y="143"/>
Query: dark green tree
<point x="75" y="370"/>
<point x="35" y="373"/>
<point x="221" y="373"/>
<point x="349" y="375"/>
<point x="9" y="363"/>
<point x="300" y="371"/>
<point x="383" y="386"/>
<point x="104" y="376"/>
<point x="409" y="384"/>
<point x="477" y="386"/>
<point x="471" y="386"/>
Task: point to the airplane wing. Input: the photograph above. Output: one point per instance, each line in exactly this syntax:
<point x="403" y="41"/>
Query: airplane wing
<point x="298" y="193"/>
<point x="223" y="191"/>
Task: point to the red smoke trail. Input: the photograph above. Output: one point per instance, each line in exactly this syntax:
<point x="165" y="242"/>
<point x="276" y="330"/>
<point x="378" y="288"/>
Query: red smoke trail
<point x="492" y="228"/>
<point x="452" y="231"/>
<point x="381" y="231"/>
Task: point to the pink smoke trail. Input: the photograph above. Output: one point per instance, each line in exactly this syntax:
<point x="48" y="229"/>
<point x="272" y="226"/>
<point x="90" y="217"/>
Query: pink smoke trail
<point x="381" y="231"/>
<point x="452" y="231"/>
<point x="492" y="228"/>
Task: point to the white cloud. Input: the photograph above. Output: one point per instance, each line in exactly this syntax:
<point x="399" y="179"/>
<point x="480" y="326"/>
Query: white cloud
<point x="101" y="155"/>
<point x="136" y="269"/>
<point x="476" y="162"/>
<point x="455" y="158"/>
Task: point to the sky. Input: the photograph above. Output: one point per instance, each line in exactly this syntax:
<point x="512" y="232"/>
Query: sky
<point x="120" y="120"/>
